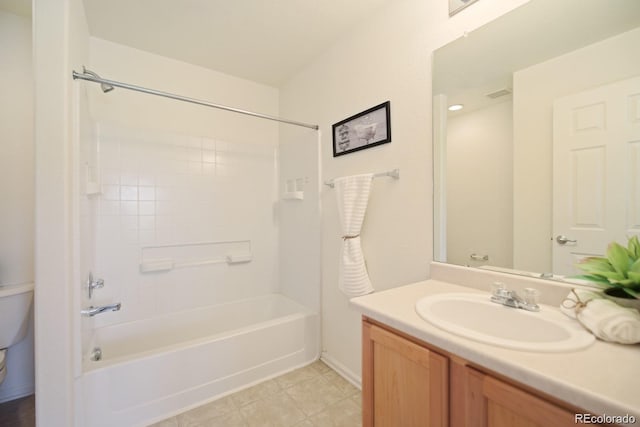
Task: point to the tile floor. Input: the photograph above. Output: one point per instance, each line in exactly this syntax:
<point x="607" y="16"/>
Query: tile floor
<point x="19" y="412"/>
<point x="314" y="395"/>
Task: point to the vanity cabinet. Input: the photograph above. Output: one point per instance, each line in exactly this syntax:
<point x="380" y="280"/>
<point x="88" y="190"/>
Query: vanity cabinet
<point x="404" y="384"/>
<point x="407" y="383"/>
<point x="479" y="400"/>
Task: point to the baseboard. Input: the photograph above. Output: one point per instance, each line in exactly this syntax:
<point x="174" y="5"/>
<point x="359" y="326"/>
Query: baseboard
<point x="342" y="370"/>
<point x="16" y="393"/>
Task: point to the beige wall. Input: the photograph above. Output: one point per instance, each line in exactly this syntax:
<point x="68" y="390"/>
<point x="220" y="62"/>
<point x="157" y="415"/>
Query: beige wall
<point x="386" y="58"/>
<point x="16" y="150"/>
<point x="122" y="63"/>
<point x="16" y="183"/>
<point x="480" y="186"/>
<point x="535" y="89"/>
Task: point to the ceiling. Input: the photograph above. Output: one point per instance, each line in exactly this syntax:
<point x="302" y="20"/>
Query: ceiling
<point x="266" y="41"/>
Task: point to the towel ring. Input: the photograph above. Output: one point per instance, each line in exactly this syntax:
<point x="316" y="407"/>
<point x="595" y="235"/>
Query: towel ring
<point x="350" y="237"/>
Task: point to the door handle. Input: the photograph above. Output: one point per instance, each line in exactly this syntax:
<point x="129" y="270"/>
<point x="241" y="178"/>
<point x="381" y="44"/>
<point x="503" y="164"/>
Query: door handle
<point x="563" y="240"/>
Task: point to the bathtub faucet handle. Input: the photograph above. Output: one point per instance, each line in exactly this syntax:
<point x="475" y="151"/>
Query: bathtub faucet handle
<point x="92" y="311"/>
<point x="93" y="284"/>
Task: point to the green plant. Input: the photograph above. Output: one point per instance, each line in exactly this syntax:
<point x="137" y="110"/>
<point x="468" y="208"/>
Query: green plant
<point x="620" y="268"/>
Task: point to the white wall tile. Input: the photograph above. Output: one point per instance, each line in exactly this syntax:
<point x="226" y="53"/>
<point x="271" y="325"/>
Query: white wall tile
<point x="110" y="192"/>
<point x="128" y="192"/>
<point x="146" y="237"/>
<point x="183" y="201"/>
<point x="146" y="193"/>
<point x="128" y="208"/>
<point x="147" y="207"/>
<point x="146" y="179"/>
<point x="111" y="176"/>
<point x="147" y="222"/>
<point x="109" y="207"/>
<point x="129" y="179"/>
<point x="209" y="156"/>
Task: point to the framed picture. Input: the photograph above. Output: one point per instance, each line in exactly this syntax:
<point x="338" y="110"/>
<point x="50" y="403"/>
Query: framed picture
<point x="364" y="130"/>
<point x="456" y="6"/>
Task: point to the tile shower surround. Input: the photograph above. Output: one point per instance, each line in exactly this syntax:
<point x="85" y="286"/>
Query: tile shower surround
<point x="160" y="188"/>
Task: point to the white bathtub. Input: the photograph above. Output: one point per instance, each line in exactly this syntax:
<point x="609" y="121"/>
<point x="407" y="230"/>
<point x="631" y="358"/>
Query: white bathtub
<point x="153" y="369"/>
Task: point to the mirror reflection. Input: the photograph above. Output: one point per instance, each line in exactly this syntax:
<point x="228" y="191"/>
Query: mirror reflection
<point x="540" y="164"/>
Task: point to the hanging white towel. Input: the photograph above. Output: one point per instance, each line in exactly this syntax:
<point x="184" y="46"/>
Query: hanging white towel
<point x="352" y="193"/>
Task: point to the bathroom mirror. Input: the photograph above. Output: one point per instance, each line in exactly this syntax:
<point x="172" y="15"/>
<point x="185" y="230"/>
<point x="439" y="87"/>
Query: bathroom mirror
<point x="530" y="175"/>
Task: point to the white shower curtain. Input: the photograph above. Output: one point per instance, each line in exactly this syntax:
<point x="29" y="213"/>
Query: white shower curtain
<point x="352" y="194"/>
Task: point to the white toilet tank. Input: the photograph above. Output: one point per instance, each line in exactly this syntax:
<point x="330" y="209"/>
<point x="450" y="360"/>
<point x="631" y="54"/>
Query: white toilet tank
<point x="15" y="302"/>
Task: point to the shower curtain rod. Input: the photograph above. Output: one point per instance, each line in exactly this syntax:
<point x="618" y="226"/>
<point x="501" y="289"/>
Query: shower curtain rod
<point x="92" y="77"/>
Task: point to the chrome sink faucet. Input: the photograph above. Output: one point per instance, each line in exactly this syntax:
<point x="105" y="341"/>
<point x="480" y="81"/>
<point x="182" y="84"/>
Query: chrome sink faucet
<point x="92" y="311"/>
<point x="501" y="295"/>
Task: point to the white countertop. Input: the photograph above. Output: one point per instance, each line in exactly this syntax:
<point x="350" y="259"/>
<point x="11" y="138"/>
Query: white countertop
<point x="602" y="379"/>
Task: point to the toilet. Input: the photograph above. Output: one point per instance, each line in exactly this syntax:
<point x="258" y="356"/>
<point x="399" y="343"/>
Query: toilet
<point x="15" y="304"/>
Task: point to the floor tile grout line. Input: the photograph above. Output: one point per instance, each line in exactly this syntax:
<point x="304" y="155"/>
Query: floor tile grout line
<point x="315" y="370"/>
<point x="284" y="389"/>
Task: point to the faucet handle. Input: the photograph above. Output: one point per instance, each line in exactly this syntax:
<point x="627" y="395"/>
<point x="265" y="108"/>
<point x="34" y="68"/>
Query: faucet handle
<point x="531" y="296"/>
<point x="498" y="289"/>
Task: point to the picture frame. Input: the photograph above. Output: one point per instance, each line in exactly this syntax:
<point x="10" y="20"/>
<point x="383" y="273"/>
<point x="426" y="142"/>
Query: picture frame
<point x="367" y="129"/>
<point x="456" y="6"/>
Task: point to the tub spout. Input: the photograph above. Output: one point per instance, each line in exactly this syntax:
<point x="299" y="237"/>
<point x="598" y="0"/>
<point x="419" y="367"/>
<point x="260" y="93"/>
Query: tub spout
<point x="92" y="311"/>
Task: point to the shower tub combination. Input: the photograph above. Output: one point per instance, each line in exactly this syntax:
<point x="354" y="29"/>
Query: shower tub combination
<point x="152" y="369"/>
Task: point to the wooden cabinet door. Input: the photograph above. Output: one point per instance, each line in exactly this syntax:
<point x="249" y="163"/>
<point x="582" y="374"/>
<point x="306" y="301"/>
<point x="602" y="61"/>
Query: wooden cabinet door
<point x="404" y="384"/>
<point x="509" y="406"/>
<point x="494" y="403"/>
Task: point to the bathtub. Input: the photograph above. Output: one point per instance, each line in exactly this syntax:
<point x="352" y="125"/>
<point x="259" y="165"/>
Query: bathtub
<point x="153" y="369"/>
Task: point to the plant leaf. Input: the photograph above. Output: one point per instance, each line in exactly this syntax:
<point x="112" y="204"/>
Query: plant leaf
<point x="634" y="277"/>
<point x="618" y="257"/>
<point x="632" y="292"/>
<point x="633" y="247"/>
<point x="611" y="275"/>
<point x="622" y="282"/>
<point x="595" y="268"/>
<point x="590" y="259"/>
<point x="598" y="280"/>
<point x="593" y="264"/>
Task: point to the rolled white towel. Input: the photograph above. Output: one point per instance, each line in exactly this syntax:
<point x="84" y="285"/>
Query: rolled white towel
<point x="604" y="318"/>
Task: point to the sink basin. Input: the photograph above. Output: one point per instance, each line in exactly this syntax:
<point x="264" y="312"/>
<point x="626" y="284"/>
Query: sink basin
<point x="474" y="316"/>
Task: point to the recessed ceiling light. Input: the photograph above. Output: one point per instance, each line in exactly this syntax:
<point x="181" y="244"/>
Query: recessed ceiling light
<point x="456" y="107"/>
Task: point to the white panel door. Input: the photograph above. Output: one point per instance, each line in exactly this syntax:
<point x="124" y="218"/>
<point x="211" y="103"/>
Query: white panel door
<point x="596" y="171"/>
